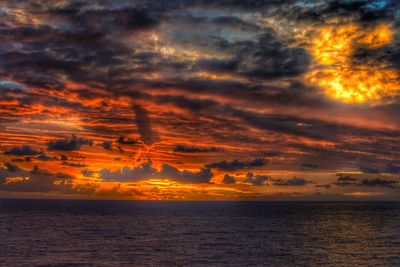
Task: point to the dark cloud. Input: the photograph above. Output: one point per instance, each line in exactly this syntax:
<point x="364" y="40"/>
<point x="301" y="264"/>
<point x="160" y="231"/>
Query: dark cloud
<point x="11" y="167"/>
<point x="44" y="157"/>
<point x="107" y="145"/>
<point x="257" y="179"/>
<point x="270" y="58"/>
<point x="236" y="23"/>
<point x="326" y="186"/>
<point x="286" y="124"/>
<point x="147" y="171"/>
<point x="310" y="165"/>
<point x="345" y="180"/>
<point x="75" y="164"/>
<point x="194" y="149"/>
<point x="295" y="181"/>
<point x="237" y="164"/>
<point x="69" y="144"/>
<point x="388" y="55"/>
<point x="22" y="151"/>
<point x="367" y="169"/>
<point x="217" y="66"/>
<point x="87" y="173"/>
<point x="392" y="167"/>
<point x="36" y="180"/>
<point x="228" y="179"/>
<point x="126" y="141"/>
<point x="379" y="182"/>
<point x="143" y="124"/>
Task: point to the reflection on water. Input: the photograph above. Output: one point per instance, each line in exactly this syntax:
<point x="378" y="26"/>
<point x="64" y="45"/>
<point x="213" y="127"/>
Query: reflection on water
<point x="123" y="233"/>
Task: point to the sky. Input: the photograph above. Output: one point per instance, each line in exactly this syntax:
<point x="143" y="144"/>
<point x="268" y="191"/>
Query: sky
<point x="200" y="100"/>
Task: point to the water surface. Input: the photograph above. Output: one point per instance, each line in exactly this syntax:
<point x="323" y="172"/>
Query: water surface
<point x="135" y="233"/>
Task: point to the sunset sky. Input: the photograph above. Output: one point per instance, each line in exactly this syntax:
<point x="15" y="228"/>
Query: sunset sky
<point x="203" y="100"/>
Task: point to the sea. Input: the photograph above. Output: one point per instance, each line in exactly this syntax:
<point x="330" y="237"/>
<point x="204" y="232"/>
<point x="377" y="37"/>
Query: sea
<point x="198" y="233"/>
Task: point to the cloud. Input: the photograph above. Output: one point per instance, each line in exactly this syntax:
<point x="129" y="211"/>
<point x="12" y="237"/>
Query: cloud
<point x="257" y="180"/>
<point x="87" y="173"/>
<point x="228" y="179"/>
<point x="147" y="171"/>
<point x="107" y="145"/>
<point x="237" y="164"/>
<point x="326" y="186"/>
<point x="22" y="151"/>
<point x="69" y="144"/>
<point x="36" y="180"/>
<point x="392" y="167"/>
<point x="11" y="167"/>
<point x="295" y="181"/>
<point x="126" y="141"/>
<point x="310" y="165"/>
<point x="211" y="71"/>
<point x="44" y="157"/>
<point x="367" y="169"/>
<point x="270" y="58"/>
<point x="236" y="23"/>
<point x="379" y="182"/>
<point x="144" y="126"/>
<point x="194" y="149"/>
<point x="345" y="180"/>
<point x="12" y="86"/>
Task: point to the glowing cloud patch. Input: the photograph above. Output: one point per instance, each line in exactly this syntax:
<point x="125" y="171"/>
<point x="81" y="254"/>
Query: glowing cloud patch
<point x="343" y="80"/>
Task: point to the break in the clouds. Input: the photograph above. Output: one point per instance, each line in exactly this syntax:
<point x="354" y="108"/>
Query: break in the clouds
<point x="221" y="96"/>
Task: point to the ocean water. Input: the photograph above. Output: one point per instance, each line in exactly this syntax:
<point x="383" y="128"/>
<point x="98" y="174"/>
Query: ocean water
<point x="136" y="233"/>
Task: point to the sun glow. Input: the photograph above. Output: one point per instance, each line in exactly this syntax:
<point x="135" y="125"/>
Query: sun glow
<point x="341" y="78"/>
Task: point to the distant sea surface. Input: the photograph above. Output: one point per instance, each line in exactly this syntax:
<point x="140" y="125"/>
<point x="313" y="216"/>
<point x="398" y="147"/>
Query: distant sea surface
<point x="136" y="233"/>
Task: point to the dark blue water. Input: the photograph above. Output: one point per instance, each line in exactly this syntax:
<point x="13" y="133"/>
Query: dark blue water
<point x="131" y="233"/>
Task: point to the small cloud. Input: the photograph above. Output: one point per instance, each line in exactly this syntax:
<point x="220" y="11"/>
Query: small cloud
<point x="326" y="186"/>
<point x="228" y="179"/>
<point x="69" y="144"/>
<point x="107" y="145"/>
<point x="22" y="151"/>
<point x="87" y="173"/>
<point x="11" y="167"/>
<point x="143" y="124"/>
<point x="237" y="165"/>
<point x="295" y="181"/>
<point x="126" y="141"/>
<point x="12" y="85"/>
<point x="75" y="165"/>
<point x="310" y="165"/>
<point x="44" y="157"/>
<point x="392" y="167"/>
<point x="366" y="169"/>
<point x="378" y="182"/>
<point x="258" y="180"/>
<point x="344" y="180"/>
<point x="194" y="149"/>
